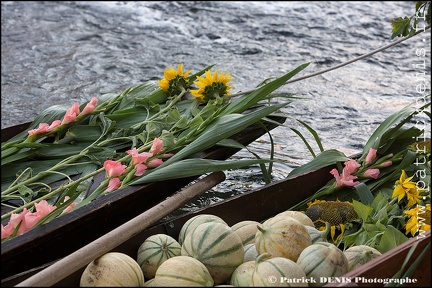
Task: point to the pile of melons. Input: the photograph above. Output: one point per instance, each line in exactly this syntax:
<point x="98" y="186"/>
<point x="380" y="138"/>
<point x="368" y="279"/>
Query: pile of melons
<point x="285" y="250"/>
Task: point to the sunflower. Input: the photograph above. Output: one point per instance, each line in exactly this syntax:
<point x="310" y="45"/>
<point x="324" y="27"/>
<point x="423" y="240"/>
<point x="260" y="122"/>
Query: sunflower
<point x="335" y="214"/>
<point x="404" y="187"/>
<point x="419" y="219"/>
<point x="174" y="81"/>
<point x="212" y="86"/>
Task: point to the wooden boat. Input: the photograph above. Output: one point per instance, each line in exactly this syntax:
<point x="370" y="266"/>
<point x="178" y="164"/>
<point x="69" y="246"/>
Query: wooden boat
<point x="66" y="234"/>
<point x="259" y="205"/>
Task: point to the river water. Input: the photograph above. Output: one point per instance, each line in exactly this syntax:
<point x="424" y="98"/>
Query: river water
<point x="60" y="52"/>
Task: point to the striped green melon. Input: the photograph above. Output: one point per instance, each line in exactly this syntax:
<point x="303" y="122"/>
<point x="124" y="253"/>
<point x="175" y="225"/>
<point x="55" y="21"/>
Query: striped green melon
<point x="282" y="237"/>
<point x="316" y="235"/>
<point x="246" y="230"/>
<point x="154" y="251"/>
<point x="250" y="252"/>
<point x="112" y="269"/>
<point x="242" y="275"/>
<point x="359" y="255"/>
<point x="193" y="222"/>
<point x="182" y="271"/>
<point x="321" y="260"/>
<point x="278" y="271"/>
<point x="218" y="247"/>
<point x="298" y="215"/>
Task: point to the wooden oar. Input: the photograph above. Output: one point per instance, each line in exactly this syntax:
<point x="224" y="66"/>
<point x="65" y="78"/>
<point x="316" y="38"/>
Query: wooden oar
<point x="80" y="258"/>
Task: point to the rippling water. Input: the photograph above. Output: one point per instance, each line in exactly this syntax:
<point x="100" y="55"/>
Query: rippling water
<point x="64" y="52"/>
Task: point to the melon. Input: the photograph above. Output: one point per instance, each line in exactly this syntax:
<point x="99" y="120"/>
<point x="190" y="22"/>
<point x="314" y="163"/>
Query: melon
<point x="217" y="246"/>
<point x="316" y="235"/>
<point x="282" y="237"/>
<point x="182" y="271"/>
<point x="359" y="255"/>
<point x="242" y="275"/>
<point x="278" y="271"/>
<point x="298" y="215"/>
<point x="322" y="260"/>
<point x="154" y="251"/>
<point x="246" y="230"/>
<point x="250" y="252"/>
<point x="193" y="222"/>
<point x="112" y="269"/>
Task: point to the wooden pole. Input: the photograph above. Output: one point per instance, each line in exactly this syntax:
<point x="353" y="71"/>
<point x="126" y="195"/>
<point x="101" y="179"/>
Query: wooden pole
<point x="80" y="258"/>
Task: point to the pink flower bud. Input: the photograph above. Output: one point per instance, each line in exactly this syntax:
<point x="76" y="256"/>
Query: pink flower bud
<point x="351" y="166"/>
<point x="371" y="156"/>
<point x="155" y="163"/>
<point x="89" y="108"/>
<point x="372" y="173"/>
<point x="387" y="163"/>
<point x="156" y="146"/>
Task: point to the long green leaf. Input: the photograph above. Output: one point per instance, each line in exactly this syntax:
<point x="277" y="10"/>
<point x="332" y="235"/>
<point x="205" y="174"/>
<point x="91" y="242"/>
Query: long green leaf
<point x="222" y="128"/>
<point x="244" y="103"/>
<point x="194" y="167"/>
<point x="388" y="126"/>
<point x="326" y="158"/>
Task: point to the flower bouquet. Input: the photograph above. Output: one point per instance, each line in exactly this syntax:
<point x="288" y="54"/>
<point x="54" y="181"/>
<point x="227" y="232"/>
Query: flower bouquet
<point x="379" y="198"/>
<point x="76" y="173"/>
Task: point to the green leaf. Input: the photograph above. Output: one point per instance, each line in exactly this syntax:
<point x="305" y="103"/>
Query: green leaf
<point x="194" y="167"/>
<point x="362" y="210"/>
<point x="222" y="128"/>
<point x="244" y="103"/>
<point x="364" y="193"/>
<point x="324" y="159"/>
<point x="400" y="26"/>
<point x="389" y="126"/>
<point x="315" y="135"/>
<point x="391" y="239"/>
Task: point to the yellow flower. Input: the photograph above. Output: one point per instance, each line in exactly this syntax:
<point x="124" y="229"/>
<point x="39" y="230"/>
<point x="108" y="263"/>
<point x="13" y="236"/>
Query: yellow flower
<point x="212" y="86"/>
<point x="174" y="80"/>
<point x="404" y="187"/>
<point x="419" y="219"/>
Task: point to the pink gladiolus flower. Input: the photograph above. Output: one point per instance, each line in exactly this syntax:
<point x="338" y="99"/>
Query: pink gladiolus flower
<point x="89" y="108"/>
<point x="351" y="167"/>
<point x="155" y="163"/>
<point x="6" y="231"/>
<point x="344" y="179"/>
<point x="27" y="220"/>
<point x="372" y="173"/>
<point x="140" y="169"/>
<point x="43" y="128"/>
<point x="386" y="164"/>
<point x="113" y="184"/>
<point x="139" y="158"/>
<point x="114" y="168"/>
<point x="54" y="124"/>
<point x="167" y="155"/>
<point x="371" y="156"/>
<point x="156" y="146"/>
<point x="43" y="208"/>
<point x="69" y="117"/>
<point x="30" y="220"/>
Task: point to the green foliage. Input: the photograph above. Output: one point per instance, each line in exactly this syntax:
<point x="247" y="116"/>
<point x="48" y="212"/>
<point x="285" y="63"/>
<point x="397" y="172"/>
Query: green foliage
<point x="408" y="26"/>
